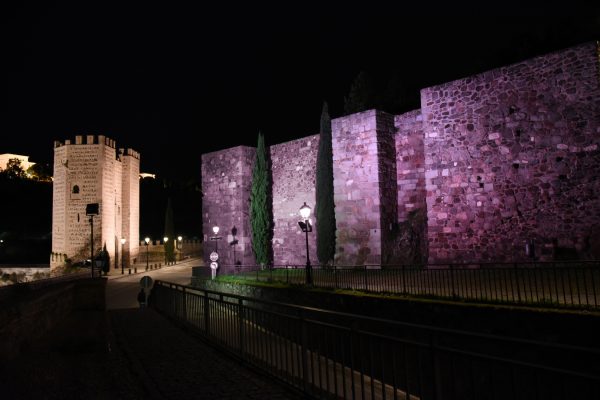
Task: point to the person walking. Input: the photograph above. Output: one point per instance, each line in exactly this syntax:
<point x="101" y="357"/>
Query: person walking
<point x="141" y="298"/>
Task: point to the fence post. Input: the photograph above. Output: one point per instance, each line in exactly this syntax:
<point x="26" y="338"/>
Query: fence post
<point x="437" y="368"/>
<point x="304" y="348"/>
<point x="452" y="280"/>
<point x="206" y="313"/>
<point x="184" y="295"/>
<point x="404" y="278"/>
<point x="335" y="277"/>
<point x="241" y="323"/>
<point x="366" y="279"/>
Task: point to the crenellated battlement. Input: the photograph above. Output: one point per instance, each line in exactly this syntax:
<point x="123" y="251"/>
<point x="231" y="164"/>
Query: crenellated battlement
<point x="97" y="139"/>
<point x="90" y="169"/>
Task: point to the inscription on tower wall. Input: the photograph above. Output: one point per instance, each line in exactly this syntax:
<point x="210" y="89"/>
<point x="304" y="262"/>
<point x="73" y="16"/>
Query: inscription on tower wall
<point x="226" y="184"/>
<point x="294" y="172"/>
<point x="59" y="194"/>
<point x="82" y="166"/>
<point x="87" y="171"/>
<point x="512" y="155"/>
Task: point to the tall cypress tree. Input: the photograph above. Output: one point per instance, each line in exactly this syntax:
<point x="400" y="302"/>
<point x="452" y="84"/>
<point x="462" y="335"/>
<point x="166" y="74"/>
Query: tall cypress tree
<point x="325" y="208"/>
<point x="169" y="232"/>
<point x="259" y="207"/>
<point x="362" y="94"/>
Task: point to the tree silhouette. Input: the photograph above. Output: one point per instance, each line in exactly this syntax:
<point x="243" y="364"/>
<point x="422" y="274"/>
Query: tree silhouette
<point x="13" y="169"/>
<point x="260" y="219"/>
<point x="362" y="94"/>
<point x="325" y="207"/>
<point x="169" y="232"/>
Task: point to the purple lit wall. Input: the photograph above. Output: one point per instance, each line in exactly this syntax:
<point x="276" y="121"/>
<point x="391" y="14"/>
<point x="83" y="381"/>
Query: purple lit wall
<point x="226" y="180"/>
<point x="494" y="160"/>
<point x="512" y="155"/>
<point x="294" y="173"/>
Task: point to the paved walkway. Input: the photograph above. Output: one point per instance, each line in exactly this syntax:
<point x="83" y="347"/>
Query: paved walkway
<point x="128" y="353"/>
<point x="171" y="364"/>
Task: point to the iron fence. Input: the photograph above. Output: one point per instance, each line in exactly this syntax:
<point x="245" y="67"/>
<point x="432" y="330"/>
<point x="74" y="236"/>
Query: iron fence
<point x="565" y="284"/>
<point x="329" y="354"/>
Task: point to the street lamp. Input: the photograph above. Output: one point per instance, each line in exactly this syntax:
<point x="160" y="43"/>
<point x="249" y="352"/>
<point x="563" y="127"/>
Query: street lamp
<point x="306" y="227"/>
<point x="166" y="239"/>
<point x="122" y="256"/>
<point x="91" y="210"/>
<point x="215" y="230"/>
<point x="179" y="246"/>
<point x="147" y="240"/>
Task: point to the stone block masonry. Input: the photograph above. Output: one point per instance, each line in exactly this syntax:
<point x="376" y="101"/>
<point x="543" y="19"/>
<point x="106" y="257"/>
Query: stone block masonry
<point x="226" y="184"/>
<point x="95" y="172"/>
<point x="487" y="164"/>
<point x="512" y="155"/>
<point x="293" y="167"/>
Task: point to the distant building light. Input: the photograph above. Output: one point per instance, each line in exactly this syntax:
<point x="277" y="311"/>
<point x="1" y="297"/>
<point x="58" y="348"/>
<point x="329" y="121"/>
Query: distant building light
<point x="5" y="158"/>
<point x="146" y="175"/>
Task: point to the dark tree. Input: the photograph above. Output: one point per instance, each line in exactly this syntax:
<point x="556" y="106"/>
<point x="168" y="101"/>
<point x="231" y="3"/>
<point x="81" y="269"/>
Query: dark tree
<point x="361" y="96"/>
<point x="13" y="170"/>
<point x="325" y="207"/>
<point x="394" y="99"/>
<point x="169" y="232"/>
<point x="40" y="172"/>
<point x="260" y="219"/>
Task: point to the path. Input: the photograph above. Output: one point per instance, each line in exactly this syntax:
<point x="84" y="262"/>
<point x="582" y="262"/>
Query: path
<point x="128" y="353"/>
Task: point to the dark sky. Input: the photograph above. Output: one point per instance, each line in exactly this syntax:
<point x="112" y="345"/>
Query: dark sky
<point x="174" y="82"/>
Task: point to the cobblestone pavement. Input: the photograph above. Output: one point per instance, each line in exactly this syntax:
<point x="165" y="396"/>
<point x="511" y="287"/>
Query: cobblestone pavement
<point x="171" y="364"/>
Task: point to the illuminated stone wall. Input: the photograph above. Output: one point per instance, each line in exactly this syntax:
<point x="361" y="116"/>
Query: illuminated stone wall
<point x="130" y="208"/>
<point x="294" y="173"/>
<point x="512" y="155"/>
<point x="492" y="161"/>
<point x="88" y="171"/>
<point x="226" y="184"/>
<point x="365" y="195"/>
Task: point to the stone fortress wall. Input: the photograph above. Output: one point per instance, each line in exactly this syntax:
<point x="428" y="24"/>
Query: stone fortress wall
<point x="92" y="170"/>
<point x="492" y="162"/>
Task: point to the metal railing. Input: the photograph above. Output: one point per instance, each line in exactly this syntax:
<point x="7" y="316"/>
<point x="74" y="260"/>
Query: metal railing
<point x="329" y="354"/>
<point x="564" y="284"/>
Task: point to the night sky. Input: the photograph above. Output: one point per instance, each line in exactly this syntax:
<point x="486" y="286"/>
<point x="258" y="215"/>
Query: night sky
<point x="174" y="82"/>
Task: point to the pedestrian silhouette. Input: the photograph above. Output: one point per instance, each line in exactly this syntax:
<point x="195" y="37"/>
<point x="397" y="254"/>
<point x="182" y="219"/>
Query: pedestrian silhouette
<point x="141" y="298"/>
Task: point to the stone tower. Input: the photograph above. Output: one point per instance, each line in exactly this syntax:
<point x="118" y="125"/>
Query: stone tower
<point x="95" y="172"/>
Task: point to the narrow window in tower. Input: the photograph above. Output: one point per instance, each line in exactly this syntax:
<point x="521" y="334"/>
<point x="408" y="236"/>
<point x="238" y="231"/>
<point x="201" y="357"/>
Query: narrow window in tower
<point x="75" y="195"/>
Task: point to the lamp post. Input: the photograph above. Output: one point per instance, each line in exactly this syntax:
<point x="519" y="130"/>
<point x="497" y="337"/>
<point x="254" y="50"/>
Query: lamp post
<point x="179" y="246"/>
<point x="122" y="256"/>
<point x="306" y="227"/>
<point x="91" y="210"/>
<point x="166" y="239"/>
<point x="215" y="230"/>
<point x="147" y="240"/>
